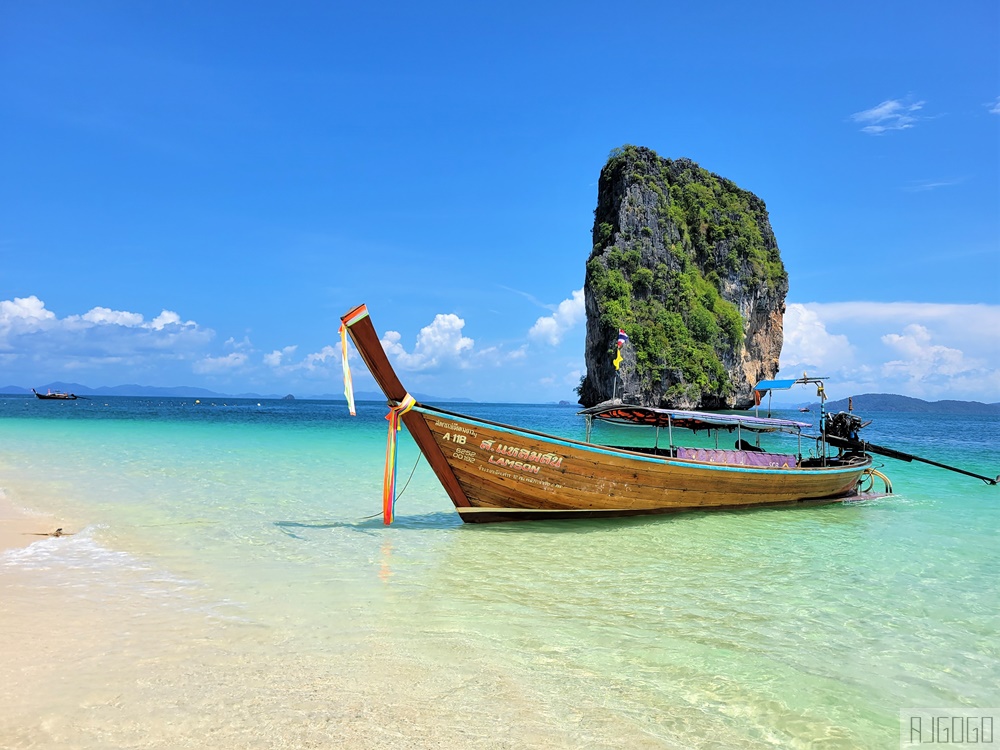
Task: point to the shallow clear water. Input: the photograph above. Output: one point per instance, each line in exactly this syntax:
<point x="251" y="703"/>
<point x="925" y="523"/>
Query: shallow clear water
<point x="241" y="534"/>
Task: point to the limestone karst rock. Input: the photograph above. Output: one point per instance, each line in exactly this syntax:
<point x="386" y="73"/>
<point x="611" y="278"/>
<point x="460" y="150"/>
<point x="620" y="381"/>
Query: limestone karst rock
<point x="687" y="264"/>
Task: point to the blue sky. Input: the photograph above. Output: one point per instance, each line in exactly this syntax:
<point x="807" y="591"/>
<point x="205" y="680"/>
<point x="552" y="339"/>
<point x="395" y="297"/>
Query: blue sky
<point x="193" y="193"/>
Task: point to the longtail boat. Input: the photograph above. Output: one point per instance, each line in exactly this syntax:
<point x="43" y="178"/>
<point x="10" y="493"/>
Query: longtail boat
<point x="498" y="472"/>
<point x="59" y="396"/>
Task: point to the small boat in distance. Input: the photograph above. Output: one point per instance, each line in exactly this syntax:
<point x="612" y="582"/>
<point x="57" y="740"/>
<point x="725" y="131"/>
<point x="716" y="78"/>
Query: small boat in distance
<point x="498" y="472"/>
<point x="803" y="409"/>
<point x="57" y="395"/>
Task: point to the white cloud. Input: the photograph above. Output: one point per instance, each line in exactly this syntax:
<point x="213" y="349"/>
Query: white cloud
<point x="214" y="365"/>
<point x="275" y="358"/>
<point x="892" y="114"/>
<point x="518" y="354"/>
<point x="104" y="315"/>
<point x="243" y="345"/>
<point x="322" y="364"/>
<point x="314" y="361"/>
<point x="24" y="308"/>
<point x="166" y="318"/>
<point x="808" y="345"/>
<point x="921" y="358"/>
<point x="976" y="325"/>
<point x="927" y="350"/>
<point x="24" y="315"/>
<point x="101" y="336"/>
<point x="551" y="328"/>
<point x="441" y="341"/>
<point x="994" y="108"/>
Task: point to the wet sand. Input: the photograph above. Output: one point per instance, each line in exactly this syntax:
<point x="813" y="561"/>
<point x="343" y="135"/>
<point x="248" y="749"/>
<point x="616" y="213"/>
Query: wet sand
<point x="88" y="665"/>
<point x="18" y="528"/>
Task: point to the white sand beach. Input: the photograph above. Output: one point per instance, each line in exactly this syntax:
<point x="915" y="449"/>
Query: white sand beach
<point x="87" y="665"/>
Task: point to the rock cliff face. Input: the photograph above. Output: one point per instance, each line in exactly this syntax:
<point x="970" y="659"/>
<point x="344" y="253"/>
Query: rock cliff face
<point x="687" y="264"/>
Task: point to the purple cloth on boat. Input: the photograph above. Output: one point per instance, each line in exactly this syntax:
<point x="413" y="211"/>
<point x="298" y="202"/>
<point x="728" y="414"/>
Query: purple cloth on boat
<point x="738" y="458"/>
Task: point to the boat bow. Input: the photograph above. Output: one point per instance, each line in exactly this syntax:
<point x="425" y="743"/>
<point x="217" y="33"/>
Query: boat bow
<point x="362" y="332"/>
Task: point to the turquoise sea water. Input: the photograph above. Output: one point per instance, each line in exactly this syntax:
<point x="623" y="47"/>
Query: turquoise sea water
<point x="254" y="596"/>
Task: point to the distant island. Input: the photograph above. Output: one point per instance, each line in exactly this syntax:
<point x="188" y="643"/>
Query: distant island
<point x="182" y="391"/>
<point x="872" y="402"/>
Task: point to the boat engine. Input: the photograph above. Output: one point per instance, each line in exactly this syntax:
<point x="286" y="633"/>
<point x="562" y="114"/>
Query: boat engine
<point x="844" y="425"/>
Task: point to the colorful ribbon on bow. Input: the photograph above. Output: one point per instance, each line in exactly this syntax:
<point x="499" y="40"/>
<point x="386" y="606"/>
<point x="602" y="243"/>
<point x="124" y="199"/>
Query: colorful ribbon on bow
<point x="389" y="477"/>
<point x="348" y="382"/>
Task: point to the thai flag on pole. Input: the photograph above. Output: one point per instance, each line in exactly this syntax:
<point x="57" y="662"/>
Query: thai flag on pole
<point x="622" y="337"/>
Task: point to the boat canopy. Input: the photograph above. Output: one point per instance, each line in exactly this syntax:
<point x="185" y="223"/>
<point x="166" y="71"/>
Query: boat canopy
<point x="775" y="385"/>
<point x="689" y="420"/>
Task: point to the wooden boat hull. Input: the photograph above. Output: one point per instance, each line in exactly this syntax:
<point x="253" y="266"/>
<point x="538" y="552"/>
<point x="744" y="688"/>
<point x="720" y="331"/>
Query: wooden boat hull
<point x="55" y="396"/>
<point x="496" y="472"/>
<point x="507" y="473"/>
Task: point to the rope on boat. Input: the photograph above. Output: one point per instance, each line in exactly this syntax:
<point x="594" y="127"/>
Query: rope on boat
<point x="869" y="476"/>
<point x="395" y="417"/>
<point x="405" y="485"/>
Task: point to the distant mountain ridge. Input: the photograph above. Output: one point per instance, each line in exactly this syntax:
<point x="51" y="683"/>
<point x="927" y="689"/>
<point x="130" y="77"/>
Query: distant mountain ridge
<point x="867" y="402"/>
<point x="907" y="404"/>
<point x="183" y="391"/>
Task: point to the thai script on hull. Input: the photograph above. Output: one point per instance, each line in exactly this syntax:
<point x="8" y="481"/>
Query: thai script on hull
<point x="522" y="455"/>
